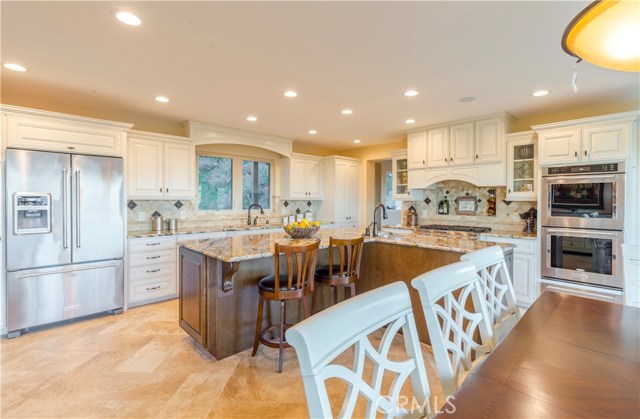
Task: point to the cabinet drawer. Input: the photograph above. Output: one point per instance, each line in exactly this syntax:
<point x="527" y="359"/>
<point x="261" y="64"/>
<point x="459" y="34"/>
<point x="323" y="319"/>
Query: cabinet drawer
<point x="522" y="246"/>
<point x="152" y="258"/>
<point x="146" y="290"/>
<point x="152" y="243"/>
<point x="151" y="271"/>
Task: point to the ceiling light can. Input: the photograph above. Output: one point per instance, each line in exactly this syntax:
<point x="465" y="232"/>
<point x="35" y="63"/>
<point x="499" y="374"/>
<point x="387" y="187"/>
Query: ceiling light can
<point x="410" y="121"/>
<point x="128" y="18"/>
<point x="410" y="93"/>
<point x="539" y="93"/>
<point x="15" y="67"/>
<point x="290" y="93"/>
<point x="313" y="131"/>
<point x="252" y="118"/>
<point x="162" y="99"/>
<point x="347" y="111"/>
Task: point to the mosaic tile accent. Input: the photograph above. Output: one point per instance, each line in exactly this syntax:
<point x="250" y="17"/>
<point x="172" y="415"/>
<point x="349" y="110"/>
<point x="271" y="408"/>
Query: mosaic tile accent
<point x="131" y="204"/>
<point x="178" y="204"/>
<point x="285" y="203"/>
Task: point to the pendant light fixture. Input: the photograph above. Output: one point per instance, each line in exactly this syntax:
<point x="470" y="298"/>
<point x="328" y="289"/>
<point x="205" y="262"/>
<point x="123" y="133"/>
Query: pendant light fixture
<point x="606" y="33"/>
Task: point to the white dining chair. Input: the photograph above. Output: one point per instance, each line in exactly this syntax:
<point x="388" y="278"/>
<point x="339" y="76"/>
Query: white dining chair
<point x="321" y="338"/>
<point x="454" y="309"/>
<point x="497" y="285"/>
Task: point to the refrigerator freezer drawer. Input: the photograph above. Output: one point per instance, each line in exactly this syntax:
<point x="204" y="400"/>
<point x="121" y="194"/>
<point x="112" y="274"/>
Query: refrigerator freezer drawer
<point x="42" y="296"/>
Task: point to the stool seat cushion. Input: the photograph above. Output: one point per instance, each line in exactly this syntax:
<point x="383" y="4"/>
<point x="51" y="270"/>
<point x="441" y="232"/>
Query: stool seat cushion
<point x="268" y="283"/>
<point x="322" y="271"/>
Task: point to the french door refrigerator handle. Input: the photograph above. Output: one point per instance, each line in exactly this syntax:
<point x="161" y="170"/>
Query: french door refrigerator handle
<point x="78" y="243"/>
<point x="65" y="207"/>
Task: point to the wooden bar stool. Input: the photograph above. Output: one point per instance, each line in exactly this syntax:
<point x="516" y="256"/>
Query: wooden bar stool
<point x="343" y="271"/>
<point x="295" y="284"/>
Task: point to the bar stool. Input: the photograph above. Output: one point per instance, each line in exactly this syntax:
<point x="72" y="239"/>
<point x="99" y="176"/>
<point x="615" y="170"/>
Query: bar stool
<point x="295" y="284"/>
<point x="346" y="271"/>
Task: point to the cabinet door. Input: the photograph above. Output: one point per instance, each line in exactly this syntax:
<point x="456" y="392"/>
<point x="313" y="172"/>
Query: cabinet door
<point x="488" y="140"/>
<point x="298" y="179"/>
<point x="417" y="150"/>
<point x="353" y="187"/>
<point x="341" y="191"/>
<point x="313" y="178"/>
<point x="523" y="277"/>
<point x="461" y="143"/>
<point x="179" y="171"/>
<point x="145" y="169"/>
<point x="400" y="181"/>
<point x="193" y="295"/>
<point x="605" y="143"/>
<point x="522" y="170"/>
<point x="438" y="147"/>
<point x="559" y="147"/>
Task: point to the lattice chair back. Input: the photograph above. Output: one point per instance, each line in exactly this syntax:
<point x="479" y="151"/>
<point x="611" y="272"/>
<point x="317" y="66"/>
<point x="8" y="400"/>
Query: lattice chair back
<point x="322" y="337"/>
<point x="496" y="283"/>
<point x="453" y="322"/>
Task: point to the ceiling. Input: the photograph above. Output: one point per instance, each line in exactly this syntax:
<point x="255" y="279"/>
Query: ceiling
<point x="219" y="62"/>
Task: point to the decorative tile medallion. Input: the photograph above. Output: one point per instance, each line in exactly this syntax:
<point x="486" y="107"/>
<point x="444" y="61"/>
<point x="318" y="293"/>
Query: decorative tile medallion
<point x="178" y="204"/>
<point x="131" y="204"/>
<point x="286" y="204"/>
<point x="308" y="203"/>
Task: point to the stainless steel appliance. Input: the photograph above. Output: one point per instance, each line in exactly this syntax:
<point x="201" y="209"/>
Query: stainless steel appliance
<point x="582" y="217"/>
<point x="65" y="237"/>
<point x="589" y="196"/>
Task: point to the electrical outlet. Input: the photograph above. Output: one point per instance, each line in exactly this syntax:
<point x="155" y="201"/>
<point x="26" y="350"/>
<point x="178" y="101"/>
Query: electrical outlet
<point x="142" y="216"/>
<point x="423" y="214"/>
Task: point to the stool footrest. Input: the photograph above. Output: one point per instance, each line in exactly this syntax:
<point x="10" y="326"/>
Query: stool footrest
<point x="274" y="342"/>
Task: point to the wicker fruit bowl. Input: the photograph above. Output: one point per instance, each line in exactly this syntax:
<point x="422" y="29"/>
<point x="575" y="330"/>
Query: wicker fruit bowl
<point x="301" y="232"/>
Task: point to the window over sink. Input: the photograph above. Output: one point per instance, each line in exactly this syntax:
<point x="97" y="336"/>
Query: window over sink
<point x="233" y="183"/>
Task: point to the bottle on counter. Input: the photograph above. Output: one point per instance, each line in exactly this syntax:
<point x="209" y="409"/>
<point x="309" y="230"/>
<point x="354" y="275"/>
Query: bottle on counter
<point x="441" y="207"/>
<point x="446" y="205"/>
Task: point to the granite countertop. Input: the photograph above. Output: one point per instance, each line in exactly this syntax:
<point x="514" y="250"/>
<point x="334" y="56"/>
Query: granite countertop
<point x="234" y="249"/>
<point x="195" y="230"/>
<point x="510" y="234"/>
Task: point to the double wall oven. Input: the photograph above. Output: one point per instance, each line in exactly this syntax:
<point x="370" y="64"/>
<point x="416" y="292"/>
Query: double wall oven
<point x="582" y="220"/>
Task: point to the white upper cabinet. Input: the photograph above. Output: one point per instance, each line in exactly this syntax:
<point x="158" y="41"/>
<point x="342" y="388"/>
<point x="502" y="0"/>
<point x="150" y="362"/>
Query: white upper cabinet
<point x="461" y="143"/>
<point x="522" y="167"/>
<point x="488" y="140"/>
<point x="301" y="177"/>
<point x="599" y="139"/>
<point x="438" y="147"/>
<point x="341" y="199"/>
<point x="33" y="129"/>
<point x="160" y="167"/>
<point x="400" y="180"/>
<point x="417" y="150"/>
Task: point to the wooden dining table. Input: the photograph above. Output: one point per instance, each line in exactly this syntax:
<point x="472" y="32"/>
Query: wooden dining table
<point x="567" y="357"/>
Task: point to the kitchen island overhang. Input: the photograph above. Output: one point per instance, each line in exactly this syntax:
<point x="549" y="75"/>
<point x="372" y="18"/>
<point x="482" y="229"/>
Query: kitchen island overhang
<point x="218" y="279"/>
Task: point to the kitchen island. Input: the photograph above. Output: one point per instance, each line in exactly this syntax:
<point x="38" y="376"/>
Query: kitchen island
<point x="218" y="279"/>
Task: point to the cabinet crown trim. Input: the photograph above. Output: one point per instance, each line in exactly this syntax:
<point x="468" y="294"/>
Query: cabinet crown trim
<point x="505" y="115"/>
<point x="336" y="157"/>
<point x="616" y="117"/>
<point x="147" y="135"/>
<point x="203" y="133"/>
<point x="102" y="123"/>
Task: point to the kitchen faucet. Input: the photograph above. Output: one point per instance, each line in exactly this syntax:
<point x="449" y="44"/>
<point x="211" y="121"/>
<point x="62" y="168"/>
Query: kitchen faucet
<point x="255" y="221"/>
<point x="375" y="213"/>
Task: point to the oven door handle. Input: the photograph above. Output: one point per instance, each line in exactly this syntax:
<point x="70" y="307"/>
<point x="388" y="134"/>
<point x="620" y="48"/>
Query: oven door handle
<point x="575" y="179"/>
<point x="592" y="234"/>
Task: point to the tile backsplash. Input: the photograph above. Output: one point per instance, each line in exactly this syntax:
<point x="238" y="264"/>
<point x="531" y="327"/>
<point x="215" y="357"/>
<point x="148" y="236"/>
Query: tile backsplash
<point x="507" y="213"/>
<point x="139" y="215"/>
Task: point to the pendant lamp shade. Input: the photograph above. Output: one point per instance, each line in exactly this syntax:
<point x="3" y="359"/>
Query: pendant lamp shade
<point x="606" y="34"/>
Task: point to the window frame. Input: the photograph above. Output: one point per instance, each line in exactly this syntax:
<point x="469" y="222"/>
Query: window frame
<point x="236" y="182"/>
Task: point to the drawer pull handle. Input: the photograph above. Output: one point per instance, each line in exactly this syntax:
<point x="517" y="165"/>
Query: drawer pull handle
<point x="153" y="257"/>
<point x="154" y="270"/>
<point x="153" y="288"/>
<point x="153" y="244"/>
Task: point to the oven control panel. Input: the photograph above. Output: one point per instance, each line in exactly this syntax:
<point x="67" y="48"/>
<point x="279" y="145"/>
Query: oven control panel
<point x="591" y="168"/>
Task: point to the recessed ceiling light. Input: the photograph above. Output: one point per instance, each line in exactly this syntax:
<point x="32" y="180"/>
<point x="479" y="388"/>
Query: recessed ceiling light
<point x="251" y="118"/>
<point x="313" y="132"/>
<point x="347" y="111"/>
<point x="410" y="121"/>
<point x="466" y="99"/>
<point x="410" y="93"/>
<point x="14" y="67"/>
<point x="162" y="99"/>
<point x="540" y="93"/>
<point x="290" y="93"/>
<point x="128" y="18"/>
<point x="356" y="141"/>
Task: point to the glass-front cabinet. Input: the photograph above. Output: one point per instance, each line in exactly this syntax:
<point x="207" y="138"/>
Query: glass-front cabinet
<point x="400" y="175"/>
<point x="522" y="163"/>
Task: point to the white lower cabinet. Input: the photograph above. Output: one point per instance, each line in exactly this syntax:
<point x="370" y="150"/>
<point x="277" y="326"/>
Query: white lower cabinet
<point x="524" y="267"/>
<point x="151" y="274"/>
<point x="631" y="254"/>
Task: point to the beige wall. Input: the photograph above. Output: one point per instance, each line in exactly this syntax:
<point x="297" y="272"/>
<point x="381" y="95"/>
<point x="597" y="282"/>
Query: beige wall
<point x="299" y="147"/>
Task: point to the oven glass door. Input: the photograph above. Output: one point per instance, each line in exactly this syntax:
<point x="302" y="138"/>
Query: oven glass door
<point x="584" y="201"/>
<point x="584" y="256"/>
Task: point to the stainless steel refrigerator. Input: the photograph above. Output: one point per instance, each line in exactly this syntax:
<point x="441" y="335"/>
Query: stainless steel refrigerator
<point x="64" y="237"/>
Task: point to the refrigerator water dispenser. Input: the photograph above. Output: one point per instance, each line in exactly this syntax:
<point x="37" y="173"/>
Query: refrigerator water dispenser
<point x="32" y="213"/>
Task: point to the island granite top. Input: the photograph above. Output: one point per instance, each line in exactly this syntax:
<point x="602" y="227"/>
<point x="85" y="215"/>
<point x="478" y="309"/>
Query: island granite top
<point x="238" y="248"/>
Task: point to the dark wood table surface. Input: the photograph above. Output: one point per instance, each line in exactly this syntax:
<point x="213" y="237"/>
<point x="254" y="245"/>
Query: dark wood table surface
<point x="567" y="357"/>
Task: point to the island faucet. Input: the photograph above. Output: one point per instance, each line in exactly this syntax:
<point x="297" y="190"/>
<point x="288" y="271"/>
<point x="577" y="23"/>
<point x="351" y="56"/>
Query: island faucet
<point x="255" y="221"/>
<point x="375" y="213"/>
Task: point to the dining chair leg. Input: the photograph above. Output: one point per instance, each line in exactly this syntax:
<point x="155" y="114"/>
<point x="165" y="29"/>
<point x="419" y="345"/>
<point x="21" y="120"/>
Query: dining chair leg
<point x="305" y="305"/>
<point x="281" y="349"/>
<point x="256" y="341"/>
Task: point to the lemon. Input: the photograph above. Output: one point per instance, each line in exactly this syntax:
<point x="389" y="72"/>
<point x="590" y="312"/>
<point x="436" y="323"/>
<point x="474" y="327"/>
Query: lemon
<point x="316" y="223"/>
<point x="294" y="224"/>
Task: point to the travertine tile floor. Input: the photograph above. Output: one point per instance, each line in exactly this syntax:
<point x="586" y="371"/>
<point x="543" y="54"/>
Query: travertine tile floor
<point x="141" y="364"/>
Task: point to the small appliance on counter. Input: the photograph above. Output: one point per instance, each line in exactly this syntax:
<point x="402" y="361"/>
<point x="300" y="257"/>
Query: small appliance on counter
<point x="530" y="220"/>
<point x="156" y="221"/>
<point x="172" y="224"/>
